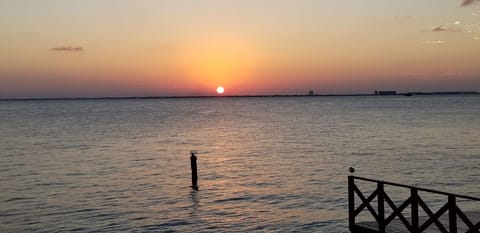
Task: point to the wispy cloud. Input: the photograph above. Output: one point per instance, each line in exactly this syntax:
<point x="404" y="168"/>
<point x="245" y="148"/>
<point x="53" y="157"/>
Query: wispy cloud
<point x="471" y="28"/>
<point x="67" y="49"/>
<point x="455" y="26"/>
<point x="439" y="29"/>
<point x="469" y="2"/>
<point x="404" y="17"/>
<point x="433" y="42"/>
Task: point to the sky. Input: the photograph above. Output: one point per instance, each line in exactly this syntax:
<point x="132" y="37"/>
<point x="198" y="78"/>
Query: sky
<point x="113" y="48"/>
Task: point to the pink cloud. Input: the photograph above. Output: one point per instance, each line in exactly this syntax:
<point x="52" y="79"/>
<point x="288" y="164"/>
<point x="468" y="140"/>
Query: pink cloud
<point x="468" y="2"/>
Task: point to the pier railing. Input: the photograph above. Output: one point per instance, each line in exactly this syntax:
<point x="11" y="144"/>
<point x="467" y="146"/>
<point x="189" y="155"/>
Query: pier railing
<point x="414" y="201"/>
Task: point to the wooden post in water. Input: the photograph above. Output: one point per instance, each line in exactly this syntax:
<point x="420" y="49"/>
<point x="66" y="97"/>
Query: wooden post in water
<point x="193" y="163"/>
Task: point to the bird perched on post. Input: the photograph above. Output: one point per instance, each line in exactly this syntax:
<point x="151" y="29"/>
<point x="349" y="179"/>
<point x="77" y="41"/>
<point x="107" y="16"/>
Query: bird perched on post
<point x="351" y="169"/>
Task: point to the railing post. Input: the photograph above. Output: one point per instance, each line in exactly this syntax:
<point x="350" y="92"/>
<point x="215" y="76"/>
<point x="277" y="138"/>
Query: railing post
<point x="452" y="213"/>
<point x="414" y="204"/>
<point x="351" y="203"/>
<point x="381" y="207"/>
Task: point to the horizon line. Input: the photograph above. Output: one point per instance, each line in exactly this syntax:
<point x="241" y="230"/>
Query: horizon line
<point x="245" y="96"/>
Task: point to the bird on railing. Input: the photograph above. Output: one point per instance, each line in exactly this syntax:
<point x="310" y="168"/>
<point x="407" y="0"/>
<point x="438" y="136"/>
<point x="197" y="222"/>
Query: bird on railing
<point x="351" y="169"/>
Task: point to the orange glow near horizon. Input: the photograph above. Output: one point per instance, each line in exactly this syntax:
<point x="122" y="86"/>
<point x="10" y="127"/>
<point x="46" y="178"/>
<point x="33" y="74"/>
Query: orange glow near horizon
<point x="226" y="60"/>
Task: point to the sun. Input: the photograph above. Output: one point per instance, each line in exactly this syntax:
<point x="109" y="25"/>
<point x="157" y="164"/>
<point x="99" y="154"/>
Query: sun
<point x="220" y="90"/>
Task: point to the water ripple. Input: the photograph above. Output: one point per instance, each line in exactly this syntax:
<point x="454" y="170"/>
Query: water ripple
<point x="265" y="165"/>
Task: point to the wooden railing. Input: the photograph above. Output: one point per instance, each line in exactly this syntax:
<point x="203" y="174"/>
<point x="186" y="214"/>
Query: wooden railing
<point x="414" y="201"/>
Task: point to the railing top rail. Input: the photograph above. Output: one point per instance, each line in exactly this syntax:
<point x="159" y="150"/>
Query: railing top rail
<point x="417" y="188"/>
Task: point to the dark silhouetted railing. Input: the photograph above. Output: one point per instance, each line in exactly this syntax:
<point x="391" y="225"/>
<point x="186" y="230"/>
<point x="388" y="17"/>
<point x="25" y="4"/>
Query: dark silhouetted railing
<point x="414" y="201"/>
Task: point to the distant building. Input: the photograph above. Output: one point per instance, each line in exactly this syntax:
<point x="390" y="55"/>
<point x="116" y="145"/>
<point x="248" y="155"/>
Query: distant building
<point x="311" y="93"/>
<point x="385" y="92"/>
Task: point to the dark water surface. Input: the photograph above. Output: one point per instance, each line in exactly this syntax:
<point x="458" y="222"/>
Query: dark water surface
<point x="265" y="164"/>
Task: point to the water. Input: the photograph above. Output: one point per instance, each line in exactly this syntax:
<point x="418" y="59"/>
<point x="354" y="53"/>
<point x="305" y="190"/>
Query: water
<point x="265" y="164"/>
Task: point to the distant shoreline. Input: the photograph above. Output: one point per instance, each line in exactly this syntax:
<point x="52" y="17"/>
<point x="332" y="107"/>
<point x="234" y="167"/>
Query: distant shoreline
<point x="246" y="96"/>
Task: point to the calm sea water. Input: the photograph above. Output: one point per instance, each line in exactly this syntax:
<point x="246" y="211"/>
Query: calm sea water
<point x="265" y="164"/>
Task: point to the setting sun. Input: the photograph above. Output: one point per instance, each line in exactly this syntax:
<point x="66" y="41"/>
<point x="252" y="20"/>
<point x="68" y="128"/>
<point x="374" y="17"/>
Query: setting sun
<point x="220" y="90"/>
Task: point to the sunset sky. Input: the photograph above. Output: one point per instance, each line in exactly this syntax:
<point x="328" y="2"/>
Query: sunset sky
<point x="99" y="48"/>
